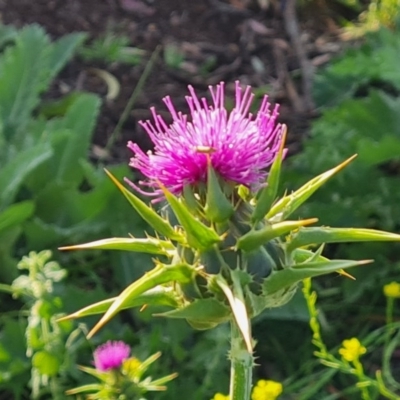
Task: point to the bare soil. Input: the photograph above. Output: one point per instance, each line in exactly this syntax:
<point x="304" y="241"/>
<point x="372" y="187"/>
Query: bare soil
<point x="259" y="42"/>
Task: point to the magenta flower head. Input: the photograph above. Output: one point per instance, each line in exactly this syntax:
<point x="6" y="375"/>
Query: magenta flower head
<point x="240" y="145"/>
<point x="111" y="355"/>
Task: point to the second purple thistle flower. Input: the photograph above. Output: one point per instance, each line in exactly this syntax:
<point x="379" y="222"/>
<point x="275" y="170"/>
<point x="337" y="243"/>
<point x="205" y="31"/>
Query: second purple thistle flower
<point x="240" y="145"/>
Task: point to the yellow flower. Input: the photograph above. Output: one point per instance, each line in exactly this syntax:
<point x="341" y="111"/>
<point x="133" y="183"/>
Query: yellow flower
<point x="266" y="390"/>
<point x="220" y="396"/>
<point x="352" y="349"/>
<point x="392" y="290"/>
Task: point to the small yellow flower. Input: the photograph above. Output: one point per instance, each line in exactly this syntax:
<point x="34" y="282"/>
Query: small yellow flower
<point x="220" y="396"/>
<point x="352" y="349"/>
<point x="392" y="290"/>
<point x="266" y="390"/>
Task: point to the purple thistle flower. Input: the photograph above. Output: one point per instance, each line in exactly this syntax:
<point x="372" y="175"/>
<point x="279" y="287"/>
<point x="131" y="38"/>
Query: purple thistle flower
<point x="111" y="355"/>
<point x="240" y="146"/>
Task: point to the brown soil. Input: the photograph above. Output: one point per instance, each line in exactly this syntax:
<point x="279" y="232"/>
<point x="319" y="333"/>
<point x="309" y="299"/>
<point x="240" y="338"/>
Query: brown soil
<point x="219" y="40"/>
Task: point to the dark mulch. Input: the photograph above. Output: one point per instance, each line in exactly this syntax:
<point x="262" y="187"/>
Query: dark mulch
<point x="236" y="39"/>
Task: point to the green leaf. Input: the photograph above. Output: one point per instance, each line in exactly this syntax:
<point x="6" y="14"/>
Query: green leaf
<point x="46" y="362"/>
<point x="148" y="245"/>
<point x="62" y="51"/>
<point x="15" y="214"/>
<point x="288" y="204"/>
<point x="256" y="238"/>
<point x="237" y="305"/>
<point x="379" y="150"/>
<point x="159" y="224"/>
<point x="161" y="274"/>
<point x="23" y="70"/>
<point x="159" y="296"/>
<point x="218" y="208"/>
<point x="279" y="280"/>
<point x="304" y="255"/>
<point x="13" y="174"/>
<point x="198" y="235"/>
<point x="79" y="120"/>
<point x="209" y="312"/>
<point x="318" y="235"/>
<point x="268" y="194"/>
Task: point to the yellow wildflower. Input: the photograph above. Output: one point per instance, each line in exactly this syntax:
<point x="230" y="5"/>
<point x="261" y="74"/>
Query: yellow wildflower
<point x="392" y="290"/>
<point x="220" y="396"/>
<point x="266" y="390"/>
<point x="352" y="349"/>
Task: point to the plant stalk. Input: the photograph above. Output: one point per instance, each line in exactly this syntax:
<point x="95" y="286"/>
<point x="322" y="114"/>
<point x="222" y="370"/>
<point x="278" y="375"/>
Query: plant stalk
<point x="241" y="366"/>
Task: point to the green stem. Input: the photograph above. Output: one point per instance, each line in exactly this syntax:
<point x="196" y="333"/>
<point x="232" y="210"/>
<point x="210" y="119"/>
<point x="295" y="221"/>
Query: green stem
<point x="128" y="108"/>
<point x="241" y="366"/>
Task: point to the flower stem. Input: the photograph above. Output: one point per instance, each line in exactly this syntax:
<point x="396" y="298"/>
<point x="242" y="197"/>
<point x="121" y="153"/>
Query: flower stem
<point x="241" y="366"/>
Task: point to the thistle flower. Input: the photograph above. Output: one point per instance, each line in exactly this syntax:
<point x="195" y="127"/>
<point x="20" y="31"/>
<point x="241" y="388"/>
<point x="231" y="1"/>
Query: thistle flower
<point x="111" y="355"/>
<point x="240" y="146"/>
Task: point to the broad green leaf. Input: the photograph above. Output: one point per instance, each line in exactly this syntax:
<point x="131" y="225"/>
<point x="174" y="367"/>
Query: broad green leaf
<point x="148" y="245"/>
<point x="288" y="204"/>
<point x="159" y="296"/>
<point x="256" y="238"/>
<point x="319" y="235"/>
<point x="15" y="214"/>
<point x="159" y="275"/>
<point x="267" y="196"/>
<point x="23" y="71"/>
<point x="198" y="235"/>
<point x="218" y="208"/>
<point x="159" y="224"/>
<point x="12" y="175"/>
<point x="287" y="277"/>
<point x="379" y="150"/>
<point x="79" y="120"/>
<point x="62" y="51"/>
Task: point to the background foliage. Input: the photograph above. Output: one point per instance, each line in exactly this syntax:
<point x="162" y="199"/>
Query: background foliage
<point x="53" y="194"/>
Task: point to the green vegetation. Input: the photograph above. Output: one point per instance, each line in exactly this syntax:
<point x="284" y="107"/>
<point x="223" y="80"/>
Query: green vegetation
<point x="53" y="195"/>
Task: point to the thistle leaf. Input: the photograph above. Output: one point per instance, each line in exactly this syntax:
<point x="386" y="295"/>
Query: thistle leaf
<point x="159" y="275"/>
<point x="198" y="235"/>
<point x="304" y="255"/>
<point x="268" y="194"/>
<point x="256" y="238"/>
<point x="282" y="279"/>
<point x="288" y="204"/>
<point x="201" y="312"/>
<point x="149" y="245"/>
<point x="218" y="208"/>
<point x="318" y="235"/>
<point x="159" y="224"/>
<point x="238" y="307"/>
<point x="158" y="296"/>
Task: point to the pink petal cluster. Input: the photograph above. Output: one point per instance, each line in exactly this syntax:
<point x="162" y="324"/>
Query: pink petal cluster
<point x="240" y="146"/>
<point x="111" y="355"/>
